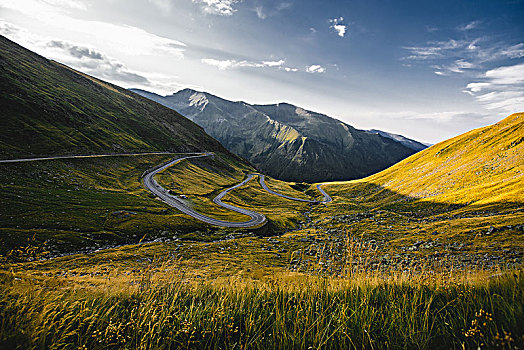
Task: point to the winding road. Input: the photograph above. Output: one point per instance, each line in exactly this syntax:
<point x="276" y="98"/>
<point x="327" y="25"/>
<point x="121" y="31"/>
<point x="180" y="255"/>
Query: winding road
<point x="256" y="219"/>
<point x="150" y="183"/>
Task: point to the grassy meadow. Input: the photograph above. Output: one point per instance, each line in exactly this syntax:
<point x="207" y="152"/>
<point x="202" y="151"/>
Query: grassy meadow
<point x="164" y="305"/>
<point x="385" y="265"/>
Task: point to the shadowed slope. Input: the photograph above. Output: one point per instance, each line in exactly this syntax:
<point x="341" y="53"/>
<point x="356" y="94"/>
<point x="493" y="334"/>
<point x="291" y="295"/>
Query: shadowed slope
<point x="50" y="109"/>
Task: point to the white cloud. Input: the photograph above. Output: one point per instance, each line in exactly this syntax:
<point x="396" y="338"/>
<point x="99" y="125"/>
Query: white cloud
<point x="469" y="26"/>
<point x="220" y="64"/>
<point x="477" y="50"/>
<point x="315" y="68"/>
<point x="515" y="51"/>
<point x="507" y="75"/>
<point x="230" y="64"/>
<point x="89" y="60"/>
<point x="280" y="65"/>
<point x="458" y="56"/>
<point x="338" y="27"/>
<point x="273" y="63"/>
<point x="268" y="10"/>
<point x="459" y="65"/>
<point x="126" y="39"/>
<point x="218" y="7"/>
<point x="501" y="88"/>
<point x="476" y="87"/>
<point x="433" y="49"/>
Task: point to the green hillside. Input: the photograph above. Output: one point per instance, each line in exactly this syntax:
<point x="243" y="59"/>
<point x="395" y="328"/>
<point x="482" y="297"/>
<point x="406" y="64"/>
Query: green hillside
<point x="49" y="109"/>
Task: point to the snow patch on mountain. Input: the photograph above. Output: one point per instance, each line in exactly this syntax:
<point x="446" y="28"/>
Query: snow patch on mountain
<point x="198" y="99"/>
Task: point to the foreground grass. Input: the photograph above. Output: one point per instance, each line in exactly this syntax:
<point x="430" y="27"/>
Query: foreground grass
<point x="285" y="311"/>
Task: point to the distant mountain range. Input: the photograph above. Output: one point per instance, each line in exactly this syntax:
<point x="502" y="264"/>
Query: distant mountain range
<point x="50" y="109"/>
<point x="288" y="142"/>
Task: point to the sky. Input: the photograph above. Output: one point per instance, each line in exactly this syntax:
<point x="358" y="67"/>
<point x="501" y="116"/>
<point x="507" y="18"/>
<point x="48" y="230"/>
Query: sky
<point x="428" y="70"/>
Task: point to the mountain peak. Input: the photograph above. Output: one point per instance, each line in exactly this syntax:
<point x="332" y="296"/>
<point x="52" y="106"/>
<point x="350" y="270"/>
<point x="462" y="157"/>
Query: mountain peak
<point x="289" y="142"/>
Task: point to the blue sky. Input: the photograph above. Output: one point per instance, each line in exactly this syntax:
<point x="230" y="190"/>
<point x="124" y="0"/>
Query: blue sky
<point x="429" y="70"/>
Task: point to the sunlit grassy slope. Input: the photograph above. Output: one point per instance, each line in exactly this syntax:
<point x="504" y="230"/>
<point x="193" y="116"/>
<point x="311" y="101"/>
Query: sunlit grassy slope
<point x="482" y="167"/>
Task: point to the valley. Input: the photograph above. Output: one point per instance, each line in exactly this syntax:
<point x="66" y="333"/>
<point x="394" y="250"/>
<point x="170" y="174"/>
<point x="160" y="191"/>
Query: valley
<point x="288" y="142"/>
<point x="124" y="225"/>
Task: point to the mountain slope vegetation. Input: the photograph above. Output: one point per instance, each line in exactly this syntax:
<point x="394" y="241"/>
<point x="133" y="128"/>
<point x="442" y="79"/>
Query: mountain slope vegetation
<point x="481" y="167"/>
<point x="50" y="109"/>
<point x="288" y="142"/>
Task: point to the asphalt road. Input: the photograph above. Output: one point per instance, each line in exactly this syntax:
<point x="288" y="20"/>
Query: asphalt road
<point x="150" y="183"/>
<point x="327" y="198"/>
<point x="81" y="156"/>
<point x="256" y="219"/>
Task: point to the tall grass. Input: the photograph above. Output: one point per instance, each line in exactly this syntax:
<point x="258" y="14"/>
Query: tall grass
<point x="289" y="311"/>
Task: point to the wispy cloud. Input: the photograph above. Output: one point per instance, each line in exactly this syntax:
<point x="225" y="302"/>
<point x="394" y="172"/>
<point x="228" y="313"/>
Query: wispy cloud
<point x="260" y="12"/>
<point x="433" y="49"/>
<point x="469" y="26"/>
<point x="315" y="68"/>
<point x="87" y="60"/>
<point x="458" y="66"/>
<point x="231" y="64"/>
<point x="218" y="7"/>
<point x="228" y="64"/>
<point x="126" y="39"/>
<point x="456" y="56"/>
<point x="264" y="10"/>
<point x="501" y="88"/>
<point x="68" y="4"/>
<point x="338" y="26"/>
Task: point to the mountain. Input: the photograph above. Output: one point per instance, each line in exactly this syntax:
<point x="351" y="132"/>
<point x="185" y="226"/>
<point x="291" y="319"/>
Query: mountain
<point x="50" y="109"/>
<point x="414" y="145"/>
<point x="285" y="141"/>
<point x="481" y="167"/>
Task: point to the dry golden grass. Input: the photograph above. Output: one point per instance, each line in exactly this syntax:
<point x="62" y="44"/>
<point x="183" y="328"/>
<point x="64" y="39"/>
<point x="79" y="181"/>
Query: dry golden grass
<point x="165" y="304"/>
<point x="480" y="167"/>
